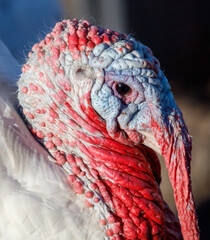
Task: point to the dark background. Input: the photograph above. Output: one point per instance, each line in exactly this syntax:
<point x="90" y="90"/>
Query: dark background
<point x="178" y="33"/>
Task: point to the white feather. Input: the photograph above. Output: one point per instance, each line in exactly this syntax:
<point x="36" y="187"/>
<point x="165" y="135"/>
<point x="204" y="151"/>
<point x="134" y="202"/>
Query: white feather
<point x="36" y="201"/>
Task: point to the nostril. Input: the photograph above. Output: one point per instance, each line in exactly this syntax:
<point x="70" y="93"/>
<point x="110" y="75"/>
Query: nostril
<point x="123" y="89"/>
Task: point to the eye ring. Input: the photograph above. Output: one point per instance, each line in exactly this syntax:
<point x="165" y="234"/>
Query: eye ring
<point x="122" y="88"/>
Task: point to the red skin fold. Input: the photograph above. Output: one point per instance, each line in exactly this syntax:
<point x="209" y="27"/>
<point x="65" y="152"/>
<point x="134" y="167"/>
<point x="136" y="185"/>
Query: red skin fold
<point x="176" y="150"/>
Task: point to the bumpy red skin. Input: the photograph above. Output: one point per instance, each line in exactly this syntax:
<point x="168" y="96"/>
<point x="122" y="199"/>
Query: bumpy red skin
<point x="124" y="177"/>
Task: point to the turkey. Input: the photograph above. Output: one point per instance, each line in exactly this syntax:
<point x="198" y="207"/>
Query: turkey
<point x="78" y="154"/>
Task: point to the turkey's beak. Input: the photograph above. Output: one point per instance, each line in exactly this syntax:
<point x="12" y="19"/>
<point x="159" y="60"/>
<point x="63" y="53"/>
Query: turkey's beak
<point x="150" y="141"/>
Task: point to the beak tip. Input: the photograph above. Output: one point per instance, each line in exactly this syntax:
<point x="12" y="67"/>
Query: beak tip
<point x="150" y="141"/>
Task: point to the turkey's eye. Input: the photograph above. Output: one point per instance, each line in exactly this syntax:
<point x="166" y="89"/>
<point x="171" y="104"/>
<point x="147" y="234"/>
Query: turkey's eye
<point x="122" y="88"/>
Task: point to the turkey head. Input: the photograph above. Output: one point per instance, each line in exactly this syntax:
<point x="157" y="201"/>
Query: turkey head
<point x="98" y="101"/>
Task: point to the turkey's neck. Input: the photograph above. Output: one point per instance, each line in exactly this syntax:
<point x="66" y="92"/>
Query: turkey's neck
<point x="119" y="182"/>
<point x="117" y="179"/>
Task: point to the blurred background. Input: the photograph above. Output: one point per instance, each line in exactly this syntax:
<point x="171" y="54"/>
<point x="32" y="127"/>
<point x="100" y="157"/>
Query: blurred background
<point x="178" y="32"/>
